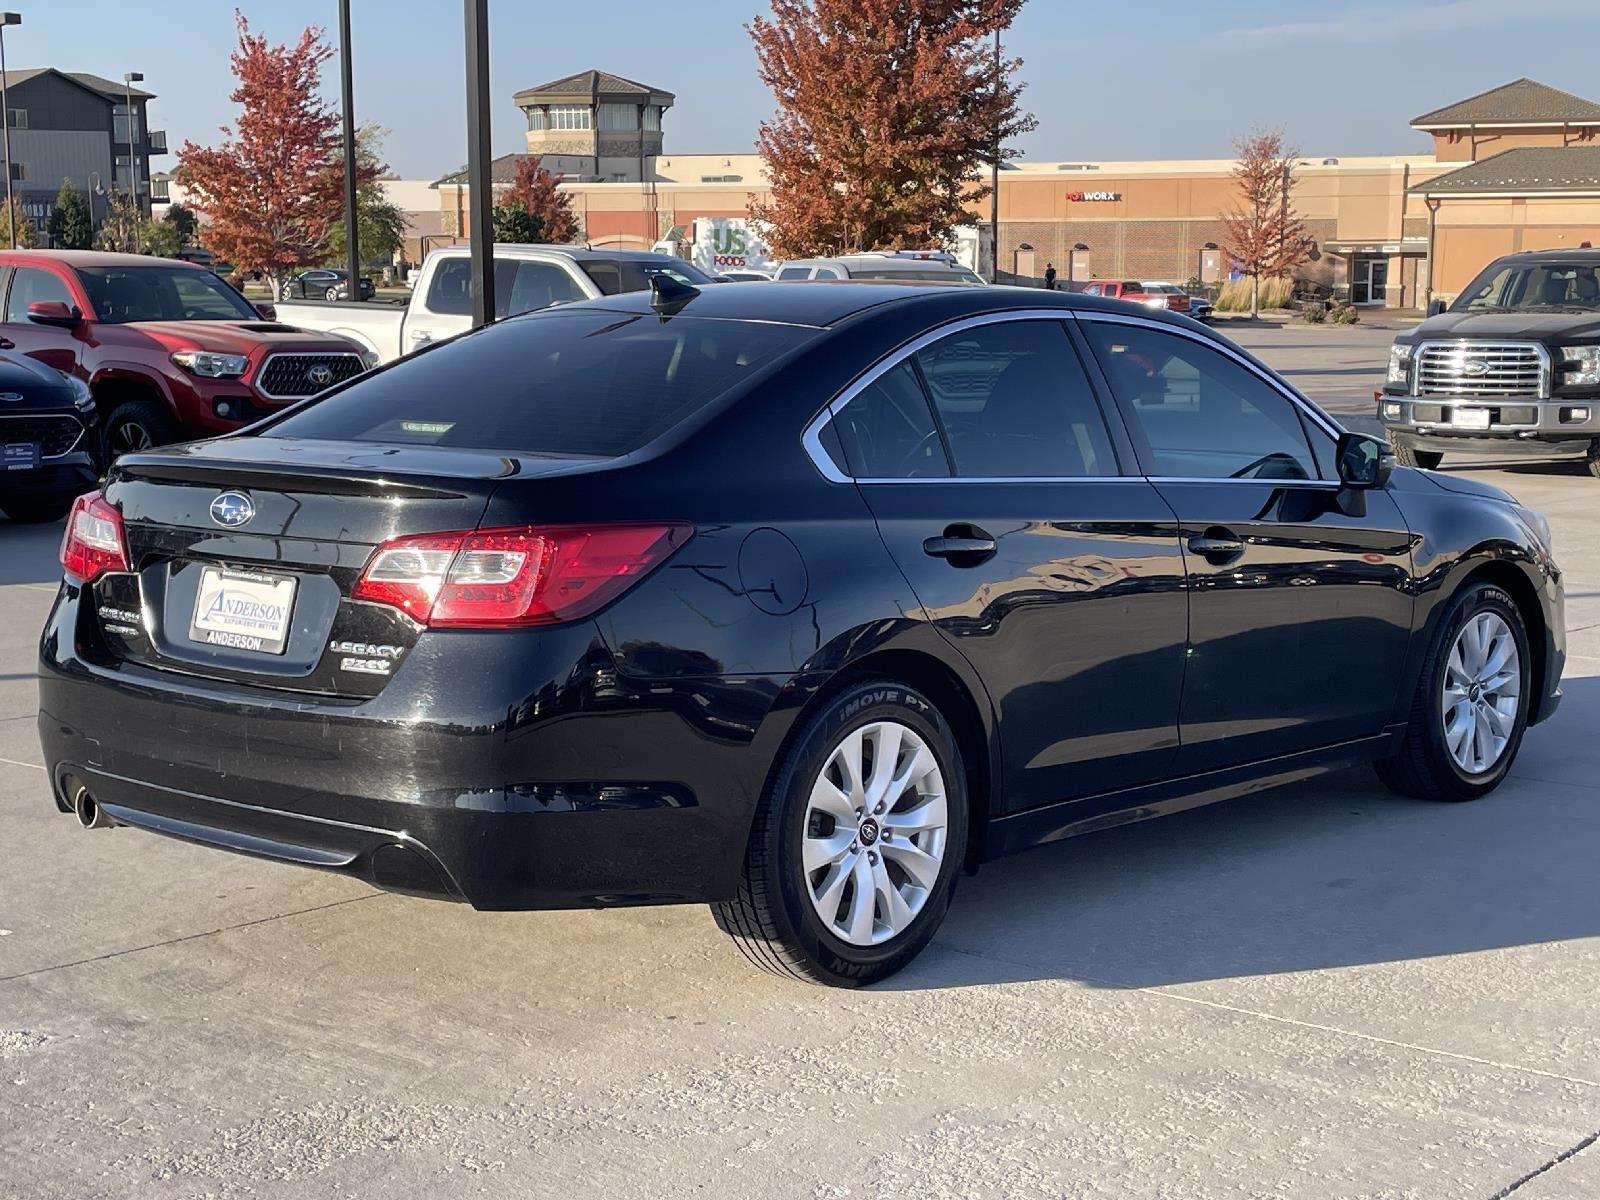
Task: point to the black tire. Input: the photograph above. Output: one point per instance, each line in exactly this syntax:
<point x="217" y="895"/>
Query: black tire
<point x="1408" y="455"/>
<point x="1423" y="766"/>
<point x="1593" y="458"/>
<point x="136" y="425"/>
<point x="771" y="920"/>
<point x="37" y="510"/>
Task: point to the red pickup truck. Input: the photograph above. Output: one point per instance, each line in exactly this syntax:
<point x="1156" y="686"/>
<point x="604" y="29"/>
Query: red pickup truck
<point x="1151" y="295"/>
<point x="168" y="350"/>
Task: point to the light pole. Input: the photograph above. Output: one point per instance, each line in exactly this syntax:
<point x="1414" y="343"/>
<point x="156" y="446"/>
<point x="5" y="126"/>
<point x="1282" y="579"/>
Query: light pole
<point x="7" y="18"/>
<point x="480" y="197"/>
<point x="1200" y="263"/>
<point x="994" y="174"/>
<point x="128" y="80"/>
<point x="1071" y="255"/>
<point x="352" y="255"/>
<point x="1433" y="203"/>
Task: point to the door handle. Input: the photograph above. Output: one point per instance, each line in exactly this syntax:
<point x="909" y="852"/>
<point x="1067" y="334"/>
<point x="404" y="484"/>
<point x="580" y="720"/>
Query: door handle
<point x="421" y="338"/>
<point x="1216" y="546"/>
<point x="7" y="344"/>
<point x="962" y="545"/>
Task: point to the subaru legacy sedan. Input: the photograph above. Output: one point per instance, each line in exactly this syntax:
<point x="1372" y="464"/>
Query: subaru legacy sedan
<point x="799" y="600"/>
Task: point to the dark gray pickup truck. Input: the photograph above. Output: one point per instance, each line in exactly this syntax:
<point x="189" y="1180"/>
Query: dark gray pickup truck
<point x="1512" y="365"/>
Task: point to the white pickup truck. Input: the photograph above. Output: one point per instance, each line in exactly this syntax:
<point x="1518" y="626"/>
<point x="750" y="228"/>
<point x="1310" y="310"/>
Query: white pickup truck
<point x="525" y="278"/>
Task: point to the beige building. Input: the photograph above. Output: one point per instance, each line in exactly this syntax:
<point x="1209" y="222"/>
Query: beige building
<point x="1516" y="167"/>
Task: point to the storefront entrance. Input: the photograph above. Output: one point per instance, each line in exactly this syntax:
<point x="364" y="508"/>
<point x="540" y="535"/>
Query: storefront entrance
<point x="1369" y="281"/>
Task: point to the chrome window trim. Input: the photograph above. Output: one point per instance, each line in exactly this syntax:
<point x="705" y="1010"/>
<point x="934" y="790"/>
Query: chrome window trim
<point x="38" y="416"/>
<point x="261" y="371"/>
<point x="811" y="439"/>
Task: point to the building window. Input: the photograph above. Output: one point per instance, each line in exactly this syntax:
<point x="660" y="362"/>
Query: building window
<point x="119" y="123"/>
<point x="569" y="116"/>
<point x="652" y="118"/>
<point x="18" y="117"/>
<point x="537" y="119"/>
<point x="19" y="172"/>
<point x="159" y="189"/>
<point x="619" y="116"/>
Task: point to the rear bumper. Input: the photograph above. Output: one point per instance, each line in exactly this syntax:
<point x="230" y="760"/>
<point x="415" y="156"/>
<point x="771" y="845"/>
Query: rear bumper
<point x="534" y="779"/>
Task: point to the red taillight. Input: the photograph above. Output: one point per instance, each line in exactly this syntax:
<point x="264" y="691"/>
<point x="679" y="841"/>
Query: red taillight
<point x="92" y="543"/>
<point x="538" y="575"/>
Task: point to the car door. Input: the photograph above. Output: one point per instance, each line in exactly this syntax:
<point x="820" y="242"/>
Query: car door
<point x="51" y="344"/>
<point x="1300" y="599"/>
<point x="1052" y="570"/>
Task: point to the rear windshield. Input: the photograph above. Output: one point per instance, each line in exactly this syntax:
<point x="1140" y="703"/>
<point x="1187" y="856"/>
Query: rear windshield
<point x="571" y="383"/>
<point x="932" y="275"/>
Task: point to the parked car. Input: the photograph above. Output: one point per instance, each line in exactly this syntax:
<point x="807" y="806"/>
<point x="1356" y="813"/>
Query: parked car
<point x="1131" y="290"/>
<point x="49" y="440"/>
<point x="1511" y="365"/>
<point x="167" y="349"/>
<point x="321" y="283"/>
<point x="1168" y="295"/>
<point x="1200" y="308"/>
<point x="526" y="278"/>
<point x="795" y="600"/>
<point x="906" y="266"/>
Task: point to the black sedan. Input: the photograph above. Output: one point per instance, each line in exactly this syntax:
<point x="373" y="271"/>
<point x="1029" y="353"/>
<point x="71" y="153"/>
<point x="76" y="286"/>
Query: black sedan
<point x="49" y="440"/>
<point x="320" y="283"/>
<point x="797" y="599"/>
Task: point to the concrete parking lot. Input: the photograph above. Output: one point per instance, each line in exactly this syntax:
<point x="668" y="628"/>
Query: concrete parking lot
<point x="1321" y="991"/>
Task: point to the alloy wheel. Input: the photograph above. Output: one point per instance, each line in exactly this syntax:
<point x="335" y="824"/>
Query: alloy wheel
<point x="130" y="437"/>
<point x="1482" y="689"/>
<point x="876" y="832"/>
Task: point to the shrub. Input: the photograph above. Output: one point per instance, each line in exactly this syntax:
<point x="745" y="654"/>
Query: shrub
<point x="1235" y="294"/>
<point x="1344" y="314"/>
<point x="1313" y="313"/>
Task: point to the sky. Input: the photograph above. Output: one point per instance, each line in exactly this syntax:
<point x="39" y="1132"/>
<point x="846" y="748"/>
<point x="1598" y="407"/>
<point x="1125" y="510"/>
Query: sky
<point x="1125" y="80"/>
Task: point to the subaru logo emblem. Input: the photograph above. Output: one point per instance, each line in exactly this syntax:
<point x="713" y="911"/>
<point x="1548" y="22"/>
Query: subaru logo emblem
<point x="232" y="509"/>
<point x="321" y="375"/>
<point x="1474" y="367"/>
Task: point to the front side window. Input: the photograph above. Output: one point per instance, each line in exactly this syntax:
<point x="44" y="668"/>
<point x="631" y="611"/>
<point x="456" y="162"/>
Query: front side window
<point x="634" y="275"/>
<point x="887" y="430"/>
<point x="29" y="285"/>
<point x="520" y="285"/>
<point x="122" y="294"/>
<point x="794" y="272"/>
<point x="1199" y="413"/>
<point x="1016" y="403"/>
<point x="565" y="382"/>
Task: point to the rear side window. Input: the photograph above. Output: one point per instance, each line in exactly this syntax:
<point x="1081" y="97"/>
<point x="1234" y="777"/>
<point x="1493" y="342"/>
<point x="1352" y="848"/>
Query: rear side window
<point x="794" y="272"/>
<point x="570" y="383"/>
<point x="520" y="285"/>
<point x="1015" y="403"/>
<point x="1131" y="285"/>
<point x="887" y="430"/>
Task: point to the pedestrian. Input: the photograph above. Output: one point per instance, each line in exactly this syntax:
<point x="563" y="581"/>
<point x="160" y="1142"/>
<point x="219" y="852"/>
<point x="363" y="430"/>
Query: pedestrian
<point x="1050" y="276"/>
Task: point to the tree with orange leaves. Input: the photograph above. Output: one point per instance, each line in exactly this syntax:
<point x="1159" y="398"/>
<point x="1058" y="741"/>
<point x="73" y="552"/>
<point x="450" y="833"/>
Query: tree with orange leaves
<point x="273" y="189"/>
<point x="887" y="112"/>
<point x="534" y="192"/>
<point x="1265" y="235"/>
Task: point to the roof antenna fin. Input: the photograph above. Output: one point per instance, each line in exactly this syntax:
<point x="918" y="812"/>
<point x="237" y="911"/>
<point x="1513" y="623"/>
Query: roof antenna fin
<point x="668" y="295"/>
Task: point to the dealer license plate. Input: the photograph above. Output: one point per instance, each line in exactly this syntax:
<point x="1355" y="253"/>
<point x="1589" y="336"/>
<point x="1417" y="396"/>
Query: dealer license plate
<point x="19" y="456"/>
<point x="1470" y="418"/>
<point x="243" y="610"/>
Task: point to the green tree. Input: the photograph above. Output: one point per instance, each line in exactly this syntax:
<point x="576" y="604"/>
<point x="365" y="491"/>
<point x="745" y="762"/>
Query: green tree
<point x="122" y="226"/>
<point x="70" y="228"/>
<point x="184" y="221"/>
<point x="27" y="232"/>
<point x="380" y="226"/>
<point x="514" y="223"/>
<point x="160" y="239"/>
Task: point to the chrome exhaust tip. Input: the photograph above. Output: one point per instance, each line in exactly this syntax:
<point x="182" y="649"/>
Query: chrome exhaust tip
<point x="90" y="815"/>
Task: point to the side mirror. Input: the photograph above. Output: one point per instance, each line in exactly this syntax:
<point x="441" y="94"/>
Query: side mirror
<point x="1364" y="461"/>
<point x="1435" y="307"/>
<point x="267" y="311"/>
<point x="54" y="312"/>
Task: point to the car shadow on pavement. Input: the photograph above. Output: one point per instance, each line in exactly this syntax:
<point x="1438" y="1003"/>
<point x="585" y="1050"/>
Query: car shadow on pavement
<point x="28" y="552"/>
<point x="1333" y="872"/>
